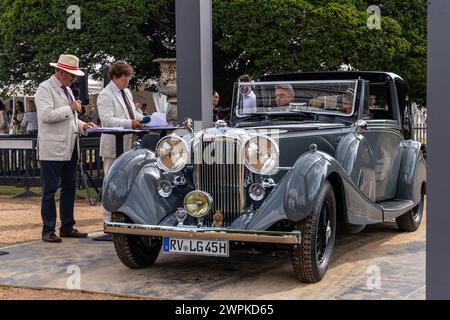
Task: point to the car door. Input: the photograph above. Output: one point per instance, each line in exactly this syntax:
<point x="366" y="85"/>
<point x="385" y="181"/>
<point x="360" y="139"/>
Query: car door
<point x="384" y="136"/>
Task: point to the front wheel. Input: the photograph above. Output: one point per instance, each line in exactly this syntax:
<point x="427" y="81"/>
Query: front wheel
<point x="134" y="251"/>
<point x="311" y="258"/>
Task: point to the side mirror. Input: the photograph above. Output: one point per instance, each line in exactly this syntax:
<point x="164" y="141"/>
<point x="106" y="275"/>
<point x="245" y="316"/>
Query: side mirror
<point x="360" y="126"/>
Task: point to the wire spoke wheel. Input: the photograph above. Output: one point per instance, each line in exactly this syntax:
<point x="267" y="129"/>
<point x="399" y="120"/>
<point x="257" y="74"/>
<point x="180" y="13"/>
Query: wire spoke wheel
<point x="312" y="257"/>
<point x="324" y="232"/>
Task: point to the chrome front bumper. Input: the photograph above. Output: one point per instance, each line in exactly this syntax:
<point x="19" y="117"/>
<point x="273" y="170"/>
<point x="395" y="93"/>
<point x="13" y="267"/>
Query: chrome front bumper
<point x="187" y="232"/>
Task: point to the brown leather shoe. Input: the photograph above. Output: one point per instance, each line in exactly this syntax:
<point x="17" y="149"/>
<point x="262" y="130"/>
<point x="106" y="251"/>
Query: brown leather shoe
<point x="74" y="233"/>
<point x="51" y="237"/>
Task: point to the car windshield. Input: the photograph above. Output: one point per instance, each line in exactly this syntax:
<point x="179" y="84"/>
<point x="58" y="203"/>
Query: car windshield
<point x="286" y="97"/>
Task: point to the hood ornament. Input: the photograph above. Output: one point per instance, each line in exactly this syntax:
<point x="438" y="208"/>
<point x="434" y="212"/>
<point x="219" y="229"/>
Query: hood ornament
<point x="188" y="124"/>
<point x="360" y="126"/>
<point x="221" y="124"/>
<point x="217" y="219"/>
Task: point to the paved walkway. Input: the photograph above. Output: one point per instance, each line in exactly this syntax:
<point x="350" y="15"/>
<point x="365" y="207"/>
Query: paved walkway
<point x="378" y="263"/>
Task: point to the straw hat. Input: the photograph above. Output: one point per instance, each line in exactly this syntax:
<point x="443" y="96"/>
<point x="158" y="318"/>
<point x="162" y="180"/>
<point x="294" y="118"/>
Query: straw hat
<point x="68" y="63"/>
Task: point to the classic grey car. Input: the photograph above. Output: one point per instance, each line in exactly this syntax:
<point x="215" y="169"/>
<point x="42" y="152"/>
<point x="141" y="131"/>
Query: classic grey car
<point x="303" y="155"/>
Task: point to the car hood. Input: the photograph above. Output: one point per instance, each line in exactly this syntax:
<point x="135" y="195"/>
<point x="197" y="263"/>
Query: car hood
<point x="243" y="134"/>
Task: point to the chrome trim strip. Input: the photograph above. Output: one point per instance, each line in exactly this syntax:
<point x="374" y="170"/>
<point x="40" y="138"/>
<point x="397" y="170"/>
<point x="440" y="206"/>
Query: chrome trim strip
<point x="296" y="82"/>
<point x="204" y="233"/>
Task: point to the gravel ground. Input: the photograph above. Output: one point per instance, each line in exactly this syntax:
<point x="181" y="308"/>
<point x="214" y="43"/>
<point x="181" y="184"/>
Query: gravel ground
<point x="20" y="219"/>
<point x="13" y="293"/>
<point x="20" y="222"/>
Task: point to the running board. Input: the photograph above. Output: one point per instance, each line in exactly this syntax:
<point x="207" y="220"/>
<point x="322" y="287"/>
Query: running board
<point x="395" y="208"/>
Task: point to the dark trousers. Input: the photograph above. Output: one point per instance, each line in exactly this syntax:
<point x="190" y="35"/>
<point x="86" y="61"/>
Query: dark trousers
<point x="52" y="174"/>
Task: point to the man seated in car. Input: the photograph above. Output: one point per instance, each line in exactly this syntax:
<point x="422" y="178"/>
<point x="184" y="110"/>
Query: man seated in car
<point x="284" y="95"/>
<point x="372" y="101"/>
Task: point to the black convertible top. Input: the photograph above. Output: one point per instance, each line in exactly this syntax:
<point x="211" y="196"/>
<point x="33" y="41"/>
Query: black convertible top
<point x="371" y="76"/>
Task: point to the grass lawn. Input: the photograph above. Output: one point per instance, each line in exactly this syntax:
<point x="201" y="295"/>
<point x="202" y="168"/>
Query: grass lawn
<point x="12" y="191"/>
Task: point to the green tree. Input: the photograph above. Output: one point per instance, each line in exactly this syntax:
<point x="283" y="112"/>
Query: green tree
<point x="34" y="33"/>
<point x="270" y="36"/>
<point x="412" y="17"/>
<point x="250" y="36"/>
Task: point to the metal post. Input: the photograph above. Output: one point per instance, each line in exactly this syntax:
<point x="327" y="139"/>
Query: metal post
<point x="194" y="60"/>
<point x="438" y="174"/>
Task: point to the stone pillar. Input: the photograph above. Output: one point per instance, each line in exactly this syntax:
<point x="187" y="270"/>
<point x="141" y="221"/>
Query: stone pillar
<point x="168" y="85"/>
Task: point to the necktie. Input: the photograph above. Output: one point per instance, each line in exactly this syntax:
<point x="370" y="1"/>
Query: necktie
<point x="69" y="97"/>
<point x="130" y="111"/>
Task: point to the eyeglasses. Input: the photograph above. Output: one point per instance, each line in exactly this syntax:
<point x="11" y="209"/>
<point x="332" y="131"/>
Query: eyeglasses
<point x="72" y="76"/>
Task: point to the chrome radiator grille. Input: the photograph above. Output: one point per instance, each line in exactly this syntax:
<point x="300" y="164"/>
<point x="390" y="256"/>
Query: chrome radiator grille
<point x="220" y="172"/>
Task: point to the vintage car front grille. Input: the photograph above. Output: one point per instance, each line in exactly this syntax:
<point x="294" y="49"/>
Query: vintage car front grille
<point x="220" y="172"/>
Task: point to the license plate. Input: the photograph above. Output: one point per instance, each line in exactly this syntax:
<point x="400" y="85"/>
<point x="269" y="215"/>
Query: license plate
<point x="196" y="247"/>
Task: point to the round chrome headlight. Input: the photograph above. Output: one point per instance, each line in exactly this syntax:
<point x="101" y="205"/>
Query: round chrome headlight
<point x="198" y="203"/>
<point x="261" y="155"/>
<point x="172" y="154"/>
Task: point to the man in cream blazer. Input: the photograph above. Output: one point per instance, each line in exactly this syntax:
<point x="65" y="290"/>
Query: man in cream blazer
<point x="58" y="127"/>
<point x="116" y="109"/>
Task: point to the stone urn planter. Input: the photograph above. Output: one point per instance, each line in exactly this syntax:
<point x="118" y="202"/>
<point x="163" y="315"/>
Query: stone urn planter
<point x="168" y="85"/>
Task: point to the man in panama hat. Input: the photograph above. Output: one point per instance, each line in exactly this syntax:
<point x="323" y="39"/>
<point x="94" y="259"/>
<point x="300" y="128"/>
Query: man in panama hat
<point x="58" y="127"/>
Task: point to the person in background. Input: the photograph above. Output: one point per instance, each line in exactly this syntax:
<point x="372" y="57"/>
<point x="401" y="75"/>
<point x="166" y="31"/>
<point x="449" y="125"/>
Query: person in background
<point x="91" y="114"/>
<point x="247" y="95"/>
<point x="29" y="122"/>
<point x="347" y="106"/>
<point x="18" y="116"/>
<point x="144" y="109"/>
<point x="9" y="112"/>
<point x="137" y="108"/>
<point x="215" y="105"/>
<point x="219" y="113"/>
<point x="3" y="119"/>
<point x="372" y="101"/>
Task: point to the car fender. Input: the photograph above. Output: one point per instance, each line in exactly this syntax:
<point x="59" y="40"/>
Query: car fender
<point x="121" y="176"/>
<point x="294" y="196"/>
<point x="131" y="187"/>
<point x="412" y="173"/>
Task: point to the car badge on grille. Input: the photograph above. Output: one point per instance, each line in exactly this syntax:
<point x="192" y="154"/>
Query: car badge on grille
<point x="181" y="216"/>
<point x="217" y="219"/>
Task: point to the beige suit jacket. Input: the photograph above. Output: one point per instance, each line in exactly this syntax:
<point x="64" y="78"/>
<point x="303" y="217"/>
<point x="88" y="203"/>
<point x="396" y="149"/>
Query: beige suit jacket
<point x="58" y="126"/>
<point x="113" y="113"/>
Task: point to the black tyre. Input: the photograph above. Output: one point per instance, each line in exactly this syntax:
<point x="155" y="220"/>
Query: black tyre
<point x="311" y="258"/>
<point x="134" y="251"/>
<point x="410" y="221"/>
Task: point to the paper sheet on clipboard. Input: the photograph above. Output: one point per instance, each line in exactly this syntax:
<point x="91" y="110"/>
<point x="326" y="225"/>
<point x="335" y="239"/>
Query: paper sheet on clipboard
<point x="158" y="119"/>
